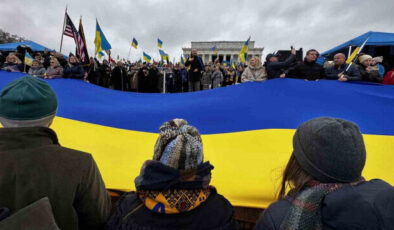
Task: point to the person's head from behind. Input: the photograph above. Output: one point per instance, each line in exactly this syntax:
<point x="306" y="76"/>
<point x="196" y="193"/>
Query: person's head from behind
<point x="179" y="145"/>
<point x="339" y="59"/>
<point x="119" y="63"/>
<point x="27" y="102"/>
<point x="327" y="150"/>
<point x="365" y="60"/>
<point x="311" y="55"/>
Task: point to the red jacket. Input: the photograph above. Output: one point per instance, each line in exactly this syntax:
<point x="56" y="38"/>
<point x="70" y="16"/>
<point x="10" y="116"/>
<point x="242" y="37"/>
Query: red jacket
<point x="389" y="78"/>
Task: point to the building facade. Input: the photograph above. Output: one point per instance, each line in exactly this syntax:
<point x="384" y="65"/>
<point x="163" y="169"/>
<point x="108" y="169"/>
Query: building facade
<point x="225" y="50"/>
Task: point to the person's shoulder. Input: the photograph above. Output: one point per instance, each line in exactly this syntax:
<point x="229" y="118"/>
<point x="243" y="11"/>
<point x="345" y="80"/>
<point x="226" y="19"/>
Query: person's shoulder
<point x="273" y="216"/>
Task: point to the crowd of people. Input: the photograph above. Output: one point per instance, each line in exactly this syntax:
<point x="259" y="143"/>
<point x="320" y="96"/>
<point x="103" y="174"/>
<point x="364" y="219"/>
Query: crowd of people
<point x="194" y="75"/>
<point x="46" y="186"/>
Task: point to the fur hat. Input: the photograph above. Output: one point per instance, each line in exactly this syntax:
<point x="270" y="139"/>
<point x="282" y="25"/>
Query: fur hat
<point x="179" y="145"/>
<point x="364" y="57"/>
<point x="330" y="150"/>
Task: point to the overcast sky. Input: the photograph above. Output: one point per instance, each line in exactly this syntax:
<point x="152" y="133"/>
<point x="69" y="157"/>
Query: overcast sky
<point x="273" y="24"/>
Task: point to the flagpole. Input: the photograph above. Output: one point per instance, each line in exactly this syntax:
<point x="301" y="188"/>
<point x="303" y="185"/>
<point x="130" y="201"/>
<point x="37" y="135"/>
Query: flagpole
<point x="24" y="63"/>
<point x="64" y="24"/>
<point x="128" y="56"/>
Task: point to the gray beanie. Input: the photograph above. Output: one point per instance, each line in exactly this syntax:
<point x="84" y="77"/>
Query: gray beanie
<point x="330" y="150"/>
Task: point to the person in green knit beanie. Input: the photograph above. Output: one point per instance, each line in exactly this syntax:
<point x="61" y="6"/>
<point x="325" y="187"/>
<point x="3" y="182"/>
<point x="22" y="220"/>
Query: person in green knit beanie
<point x="33" y="164"/>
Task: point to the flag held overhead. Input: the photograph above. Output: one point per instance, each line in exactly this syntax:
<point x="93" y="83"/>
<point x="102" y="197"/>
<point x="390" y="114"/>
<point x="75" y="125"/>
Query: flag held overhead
<point x="159" y="43"/>
<point x="100" y="41"/>
<point x="134" y="43"/>
<point x="147" y="58"/>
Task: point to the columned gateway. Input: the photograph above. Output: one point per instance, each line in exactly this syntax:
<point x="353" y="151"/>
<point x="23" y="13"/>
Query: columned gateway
<point x="225" y="50"/>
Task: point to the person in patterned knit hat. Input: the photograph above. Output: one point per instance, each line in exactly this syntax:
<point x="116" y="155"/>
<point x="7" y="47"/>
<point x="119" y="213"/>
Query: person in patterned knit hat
<point x="173" y="190"/>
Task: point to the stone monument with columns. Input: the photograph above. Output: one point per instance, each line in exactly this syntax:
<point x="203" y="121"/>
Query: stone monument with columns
<point x="225" y="50"/>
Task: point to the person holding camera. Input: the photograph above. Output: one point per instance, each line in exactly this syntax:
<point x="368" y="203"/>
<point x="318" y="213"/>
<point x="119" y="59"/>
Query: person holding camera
<point x="196" y="67"/>
<point x="275" y="68"/>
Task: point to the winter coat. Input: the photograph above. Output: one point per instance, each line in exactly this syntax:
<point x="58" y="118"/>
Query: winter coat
<point x="195" y="64"/>
<point x="389" y="78"/>
<point x="256" y="73"/>
<point x="54" y="71"/>
<point x="73" y="71"/>
<point x="37" y="71"/>
<point x="33" y="165"/>
<point x="333" y="71"/>
<point x="37" y="215"/>
<point x="13" y="67"/>
<point x="367" y="205"/>
<point x="217" y="79"/>
<point x="307" y="70"/>
<point x="118" y="78"/>
<point x="206" y="80"/>
<point x="372" y="76"/>
<point x="214" y="214"/>
<point x="275" y="69"/>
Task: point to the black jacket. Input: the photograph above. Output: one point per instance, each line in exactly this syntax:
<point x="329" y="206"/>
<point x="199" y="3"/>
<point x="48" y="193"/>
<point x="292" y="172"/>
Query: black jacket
<point x="118" y="78"/>
<point x="195" y="64"/>
<point x="275" y="69"/>
<point x="73" y="71"/>
<point x="307" y="70"/>
<point x="214" y="214"/>
<point x="372" y="76"/>
<point x="368" y="206"/>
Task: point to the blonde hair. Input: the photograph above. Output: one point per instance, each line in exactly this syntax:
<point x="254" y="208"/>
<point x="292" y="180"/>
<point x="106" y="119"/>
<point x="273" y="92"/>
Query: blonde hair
<point x="258" y="62"/>
<point x="55" y="60"/>
<point x="17" y="60"/>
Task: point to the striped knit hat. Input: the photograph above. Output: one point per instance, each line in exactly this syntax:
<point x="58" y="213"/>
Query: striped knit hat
<point x="179" y="145"/>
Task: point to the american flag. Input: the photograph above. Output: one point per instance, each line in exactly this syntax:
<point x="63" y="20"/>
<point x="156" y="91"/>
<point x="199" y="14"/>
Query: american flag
<point x="71" y="31"/>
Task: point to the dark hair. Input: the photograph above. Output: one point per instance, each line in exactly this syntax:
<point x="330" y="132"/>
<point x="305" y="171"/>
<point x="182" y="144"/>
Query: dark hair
<point x="312" y="50"/>
<point x="294" y="177"/>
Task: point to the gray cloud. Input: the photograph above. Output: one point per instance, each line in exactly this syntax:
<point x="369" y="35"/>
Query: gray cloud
<point x="273" y="24"/>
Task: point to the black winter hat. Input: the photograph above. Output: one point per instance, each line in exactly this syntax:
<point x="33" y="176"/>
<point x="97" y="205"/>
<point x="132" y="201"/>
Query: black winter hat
<point x="331" y="150"/>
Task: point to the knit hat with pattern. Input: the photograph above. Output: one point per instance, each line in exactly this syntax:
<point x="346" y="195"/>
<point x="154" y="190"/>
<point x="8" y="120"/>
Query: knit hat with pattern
<point x="179" y="145"/>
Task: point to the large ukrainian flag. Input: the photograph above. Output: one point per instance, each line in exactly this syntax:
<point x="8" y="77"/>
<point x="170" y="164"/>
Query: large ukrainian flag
<point x="246" y="129"/>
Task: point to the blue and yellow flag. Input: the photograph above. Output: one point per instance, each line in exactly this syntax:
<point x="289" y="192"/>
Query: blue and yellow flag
<point x="101" y="54"/>
<point x="146" y="57"/>
<point x="28" y="59"/>
<point x="232" y="63"/>
<point x="225" y="63"/>
<point x="100" y="41"/>
<point x="248" y="144"/>
<point x="182" y="60"/>
<point x="214" y="49"/>
<point x="134" y="43"/>
<point x="163" y="55"/>
<point x="159" y="43"/>
<point x="244" y="51"/>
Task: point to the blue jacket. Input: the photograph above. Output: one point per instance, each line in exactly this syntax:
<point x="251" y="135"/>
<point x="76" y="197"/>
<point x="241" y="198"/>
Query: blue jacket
<point x="368" y="205"/>
<point x="353" y="73"/>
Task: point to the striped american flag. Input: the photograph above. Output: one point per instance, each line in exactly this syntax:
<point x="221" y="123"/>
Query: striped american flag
<point x="71" y="31"/>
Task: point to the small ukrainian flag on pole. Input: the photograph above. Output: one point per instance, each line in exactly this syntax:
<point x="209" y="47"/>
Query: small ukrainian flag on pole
<point x="159" y="43"/>
<point x="134" y="43"/>
<point x="28" y="59"/>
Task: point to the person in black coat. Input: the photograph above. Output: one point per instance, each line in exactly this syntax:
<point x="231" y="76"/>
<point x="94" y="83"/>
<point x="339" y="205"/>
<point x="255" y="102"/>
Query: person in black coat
<point x="104" y="74"/>
<point x="196" y="67"/>
<point x="338" y="70"/>
<point x="366" y="71"/>
<point x="119" y="76"/>
<point x="276" y="69"/>
<point x="308" y="69"/>
<point x="73" y="69"/>
<point x="173" y="190"/>
<point x="327" y="190"/>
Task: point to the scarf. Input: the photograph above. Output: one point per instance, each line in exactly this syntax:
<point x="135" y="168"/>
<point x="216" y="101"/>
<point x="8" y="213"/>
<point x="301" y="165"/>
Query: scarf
<point x="163" y="189"/>
<point x="305" y="211"/>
